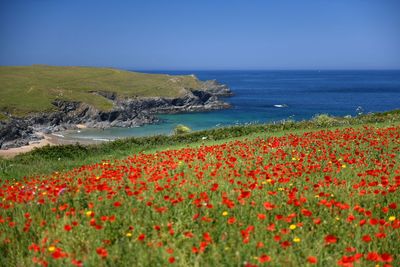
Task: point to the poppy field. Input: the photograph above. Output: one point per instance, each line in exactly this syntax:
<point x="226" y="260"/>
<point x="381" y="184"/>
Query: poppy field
<point x="319" y="198"/>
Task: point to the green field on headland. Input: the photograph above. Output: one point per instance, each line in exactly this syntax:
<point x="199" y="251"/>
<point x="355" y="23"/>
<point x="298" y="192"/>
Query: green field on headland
<point x="32" y="89"/>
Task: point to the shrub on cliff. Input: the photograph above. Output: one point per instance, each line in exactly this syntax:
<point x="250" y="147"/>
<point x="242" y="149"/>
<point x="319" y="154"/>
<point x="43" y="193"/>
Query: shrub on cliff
<point x="324" y="120"/>
<point x="182" y="129"/>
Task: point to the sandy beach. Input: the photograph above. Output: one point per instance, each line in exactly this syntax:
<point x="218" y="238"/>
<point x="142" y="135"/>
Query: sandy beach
<point x="11" y="152"/>
<point x="49" y="139"/>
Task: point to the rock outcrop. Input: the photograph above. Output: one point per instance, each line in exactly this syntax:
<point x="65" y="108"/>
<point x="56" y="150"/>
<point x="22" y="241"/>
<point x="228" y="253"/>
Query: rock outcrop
<point x="215" y="88"/>
<point x="126" y="112"/>
<point x="16" y="133"/>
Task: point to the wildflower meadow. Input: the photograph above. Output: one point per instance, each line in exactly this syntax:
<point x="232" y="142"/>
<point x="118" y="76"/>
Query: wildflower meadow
<point x="319" y="198"/>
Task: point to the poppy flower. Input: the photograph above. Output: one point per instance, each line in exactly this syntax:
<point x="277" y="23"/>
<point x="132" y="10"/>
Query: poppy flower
<point x="366" y="238"/>
<point x="312" y="259"/>
<point x="285" y="244"/>
<point x="330" y="239"/>
<point x="386" y="257"/>
<point x="306" y="212"/>
<point x="269" y="205"/>
<point x="231" y="220"/>
<point x="264" y="258"/>
<point x="102" y="252"/>
<point x="141" y="237"/>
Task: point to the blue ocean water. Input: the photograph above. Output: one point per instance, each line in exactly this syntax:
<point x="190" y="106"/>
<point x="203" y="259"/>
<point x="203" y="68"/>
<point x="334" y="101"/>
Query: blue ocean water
<point x="267" y="96"/>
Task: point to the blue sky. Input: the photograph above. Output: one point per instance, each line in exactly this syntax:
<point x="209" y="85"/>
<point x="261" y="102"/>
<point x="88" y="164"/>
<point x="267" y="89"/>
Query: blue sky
<point x="206" y="34"/>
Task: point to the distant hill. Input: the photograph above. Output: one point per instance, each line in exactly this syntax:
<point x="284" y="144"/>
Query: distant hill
<point x="32" y="89"/>
<point x="39" y="99"/>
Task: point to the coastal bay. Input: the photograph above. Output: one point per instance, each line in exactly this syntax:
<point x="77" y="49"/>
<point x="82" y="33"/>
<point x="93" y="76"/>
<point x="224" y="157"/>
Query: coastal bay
<point x="254" y="97"/>
<point x="274" y="96"/>
<point x="94" y="98"/>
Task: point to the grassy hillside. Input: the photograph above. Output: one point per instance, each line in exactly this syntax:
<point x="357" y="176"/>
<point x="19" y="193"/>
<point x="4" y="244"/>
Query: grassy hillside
<point x="31" y="89"/>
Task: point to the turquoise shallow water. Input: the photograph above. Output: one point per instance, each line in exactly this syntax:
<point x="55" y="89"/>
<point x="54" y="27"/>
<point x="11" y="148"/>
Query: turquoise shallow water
<point x="266" y="96"/>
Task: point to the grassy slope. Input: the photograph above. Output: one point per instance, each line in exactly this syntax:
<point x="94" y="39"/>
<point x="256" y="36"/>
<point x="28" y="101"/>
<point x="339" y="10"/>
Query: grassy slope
<point x="60" y="158"/>
<point x="30" y="89"/>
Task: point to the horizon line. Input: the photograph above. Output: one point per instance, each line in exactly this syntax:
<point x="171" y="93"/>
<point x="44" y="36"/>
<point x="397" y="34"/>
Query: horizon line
<point x="277" y="69"/>
<point x="210" y="69"/>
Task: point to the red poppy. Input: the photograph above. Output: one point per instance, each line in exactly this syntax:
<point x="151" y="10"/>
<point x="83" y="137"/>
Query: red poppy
<point x="141" y="237"/>
<point x="330" y="239"/>
<point x="207" y="237"/>
<point x="269" y="206"/>
<point x="373" y="256"/>
<point x="34" y="247"/>
<point x="231" y="220"/>
<point x="306" y="212"/>
<point x="102" y="252"/>
<point x="264" y="258"/>
<point x="366" y="238"/>
<point x="285" y="244"/>
<point x="312" y="259"/>
<point x="386" y="257"/>
<point x="261" y="216"/>
<point x="58" y="254"/>
<point x="77" y="263"/>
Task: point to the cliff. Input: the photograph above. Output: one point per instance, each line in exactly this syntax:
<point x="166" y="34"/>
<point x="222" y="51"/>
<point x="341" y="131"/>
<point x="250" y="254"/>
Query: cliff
<point x="126" y="111"/>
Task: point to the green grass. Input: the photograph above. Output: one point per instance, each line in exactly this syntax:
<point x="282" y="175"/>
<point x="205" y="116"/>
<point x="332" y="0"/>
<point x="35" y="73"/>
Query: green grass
<point x="31" y="89"/>
<point x="3" y="117"/>
<point x="60" y="158"/>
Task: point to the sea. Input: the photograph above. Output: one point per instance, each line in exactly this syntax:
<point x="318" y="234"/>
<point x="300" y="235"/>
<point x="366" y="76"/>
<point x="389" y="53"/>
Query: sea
<point x="273" y="96"/>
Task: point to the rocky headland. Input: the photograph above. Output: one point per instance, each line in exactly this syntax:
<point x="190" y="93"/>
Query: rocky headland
<point x="126" y="112"/>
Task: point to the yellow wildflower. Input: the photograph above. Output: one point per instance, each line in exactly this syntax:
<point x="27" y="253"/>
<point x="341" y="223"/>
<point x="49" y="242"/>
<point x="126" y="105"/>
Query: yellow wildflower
<point x="89" y="213"/>
<point x="296" y="239"/>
